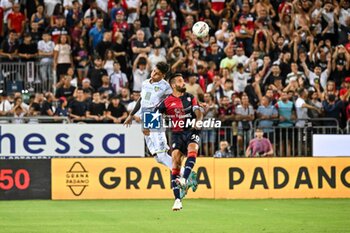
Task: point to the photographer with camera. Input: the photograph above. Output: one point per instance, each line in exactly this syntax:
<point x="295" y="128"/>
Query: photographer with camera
<point x="224" y="152"/>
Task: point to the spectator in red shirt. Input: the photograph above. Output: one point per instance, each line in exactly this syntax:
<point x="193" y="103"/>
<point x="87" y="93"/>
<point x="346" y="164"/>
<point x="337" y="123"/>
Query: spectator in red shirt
<point x="120" y="25"/>
<point x="16" y="20"/>
<point x="226" y="112"/>
<point x="114" y="8"/>
<point x="343" y="92"/>
<point x="217" y="7"/>
<point x="163" y="18"/>
<point x="1" y="23"/>
<point x="285" y="8"/>
<point x="187" y="26"/>
<point x="59" y="29"/>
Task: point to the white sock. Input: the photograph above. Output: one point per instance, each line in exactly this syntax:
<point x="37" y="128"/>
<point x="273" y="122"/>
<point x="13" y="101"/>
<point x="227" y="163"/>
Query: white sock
<point x="182" y="171"/>
<point x="164" y="159"/>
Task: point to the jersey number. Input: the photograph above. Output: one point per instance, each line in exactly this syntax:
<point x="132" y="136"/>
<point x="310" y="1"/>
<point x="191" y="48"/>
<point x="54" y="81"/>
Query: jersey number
<point x="148" y="95"/>
<point x="195" y="138"/>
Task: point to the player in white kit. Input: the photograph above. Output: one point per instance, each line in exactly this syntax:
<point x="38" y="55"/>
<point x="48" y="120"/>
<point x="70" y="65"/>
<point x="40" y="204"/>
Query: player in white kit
<point x="154" y="90"/>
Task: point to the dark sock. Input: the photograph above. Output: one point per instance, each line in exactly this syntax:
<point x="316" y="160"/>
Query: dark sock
<point x="188" y="166"/>
<point x="175" y="174"/>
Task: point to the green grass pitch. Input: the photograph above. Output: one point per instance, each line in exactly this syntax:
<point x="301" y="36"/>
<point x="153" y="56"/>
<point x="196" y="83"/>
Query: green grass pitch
<point x="214" y="216"/>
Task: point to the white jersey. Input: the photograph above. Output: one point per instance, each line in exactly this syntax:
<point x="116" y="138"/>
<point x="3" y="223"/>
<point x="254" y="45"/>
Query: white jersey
<point x="153" y="93"/>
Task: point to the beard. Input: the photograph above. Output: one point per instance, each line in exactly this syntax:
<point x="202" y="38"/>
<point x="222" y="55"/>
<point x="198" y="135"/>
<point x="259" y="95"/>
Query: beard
<point x="181" y="89"/>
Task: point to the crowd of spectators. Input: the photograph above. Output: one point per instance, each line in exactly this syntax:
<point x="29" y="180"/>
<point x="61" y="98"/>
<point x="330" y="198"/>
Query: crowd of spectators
<point x="272" y="61"/>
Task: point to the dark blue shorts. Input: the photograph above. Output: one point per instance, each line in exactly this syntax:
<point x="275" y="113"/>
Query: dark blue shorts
<point x="181" y="140"/>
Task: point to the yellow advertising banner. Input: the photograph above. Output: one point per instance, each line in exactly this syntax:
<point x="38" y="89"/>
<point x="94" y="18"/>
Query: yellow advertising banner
<point x="282" y="178"/>
<point x="122" y="178"/>
<point x="241" y="178"/>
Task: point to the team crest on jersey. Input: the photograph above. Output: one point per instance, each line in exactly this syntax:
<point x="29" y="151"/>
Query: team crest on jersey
<point x="156" y="89"/>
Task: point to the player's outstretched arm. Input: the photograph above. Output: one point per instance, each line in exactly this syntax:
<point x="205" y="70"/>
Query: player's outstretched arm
<point x="128" y="120"/>
<point x="199" y="116"/>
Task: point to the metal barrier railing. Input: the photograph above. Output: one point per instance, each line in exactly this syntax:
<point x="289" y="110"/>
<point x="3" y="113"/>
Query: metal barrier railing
<point x="299" y="139"/>
<point x="34" y="120"/>
<point x="286" y="141"/>
<point x="30" y="76"/>
<point x="314" y="121"/>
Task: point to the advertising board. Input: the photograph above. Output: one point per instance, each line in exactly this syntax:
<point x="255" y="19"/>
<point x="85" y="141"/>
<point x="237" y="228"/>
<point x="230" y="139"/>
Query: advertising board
<point x="122" y="178"/>
<point x="67" y="140"/>
<point x="25" y="179"/>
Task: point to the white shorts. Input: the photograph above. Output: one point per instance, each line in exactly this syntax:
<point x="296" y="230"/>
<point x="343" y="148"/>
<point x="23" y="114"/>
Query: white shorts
<point x="157" y="142"/>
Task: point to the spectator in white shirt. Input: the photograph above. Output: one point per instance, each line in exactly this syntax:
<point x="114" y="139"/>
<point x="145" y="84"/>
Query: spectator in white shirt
<point x="133" y="10"/>
<point x="228" y="89"/>
<point x="156" y="57"/>
<point x="24" y="106"/>
<point x="18" y="111"/>
<point x="302" y="107"/>
<point x="240" y="79"/>
<point x="295" y="74"/>
<point x="45" y="48"/>
<point x="140" y="71"/>
<point x="5" y="105"/>
<point x="118" y="78"/>
<point x="50" y="6"/>
<point x="92" y="12"/>
<point x="318" y="74"/>
<point x="7" y="6"/>
<point x="240" y="56"/>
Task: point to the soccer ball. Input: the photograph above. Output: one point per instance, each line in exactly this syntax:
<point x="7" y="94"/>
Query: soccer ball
<point x="200" y="29"/>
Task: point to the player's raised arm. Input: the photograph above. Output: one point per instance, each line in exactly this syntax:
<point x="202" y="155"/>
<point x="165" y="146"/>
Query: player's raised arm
<point x="197" y="111"/>
<point x="128" y="120"/>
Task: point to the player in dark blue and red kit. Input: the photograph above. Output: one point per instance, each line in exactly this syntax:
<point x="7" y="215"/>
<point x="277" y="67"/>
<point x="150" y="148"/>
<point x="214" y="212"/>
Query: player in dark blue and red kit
<point x="183" y="110"/>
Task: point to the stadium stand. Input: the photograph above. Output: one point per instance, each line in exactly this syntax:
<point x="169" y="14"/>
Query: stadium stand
<point x="279" y="65"/>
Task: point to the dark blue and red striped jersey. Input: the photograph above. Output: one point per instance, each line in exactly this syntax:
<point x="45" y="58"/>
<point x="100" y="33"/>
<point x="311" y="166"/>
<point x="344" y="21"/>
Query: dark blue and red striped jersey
<point x="179" y="110"/>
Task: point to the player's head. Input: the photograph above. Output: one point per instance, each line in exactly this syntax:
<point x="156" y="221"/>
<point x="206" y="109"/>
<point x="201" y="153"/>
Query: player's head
<point x="177" y="82"/>
<point x="159" y="72"/>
